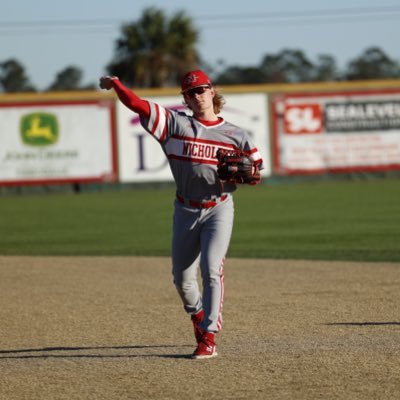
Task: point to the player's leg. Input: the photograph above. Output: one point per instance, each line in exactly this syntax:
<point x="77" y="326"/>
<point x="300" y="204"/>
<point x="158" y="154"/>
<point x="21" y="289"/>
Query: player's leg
<point x="185" y="257"/>
<point x="215" y="237"/>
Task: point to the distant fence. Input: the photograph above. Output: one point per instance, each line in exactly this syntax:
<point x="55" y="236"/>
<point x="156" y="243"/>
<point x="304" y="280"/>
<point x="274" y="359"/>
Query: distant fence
<point x="300" y="129"/>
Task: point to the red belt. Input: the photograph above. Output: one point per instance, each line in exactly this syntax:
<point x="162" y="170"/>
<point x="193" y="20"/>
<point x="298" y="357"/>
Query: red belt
<point x="202" y="204"/>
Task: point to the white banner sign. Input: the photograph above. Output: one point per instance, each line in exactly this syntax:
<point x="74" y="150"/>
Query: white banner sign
<point x="337" y="132"/>
<point x="49" y="143"/>
<point x="141" y="158"/>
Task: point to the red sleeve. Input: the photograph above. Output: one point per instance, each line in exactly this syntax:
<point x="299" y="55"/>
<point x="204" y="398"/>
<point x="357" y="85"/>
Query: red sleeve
<point x="131" y="100"/>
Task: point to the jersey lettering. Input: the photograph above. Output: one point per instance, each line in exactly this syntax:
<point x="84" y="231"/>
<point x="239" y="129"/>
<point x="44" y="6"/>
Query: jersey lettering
<point x="199" y="150"/>
<point x="190" y="145"/>
<point x="189" y="149"/>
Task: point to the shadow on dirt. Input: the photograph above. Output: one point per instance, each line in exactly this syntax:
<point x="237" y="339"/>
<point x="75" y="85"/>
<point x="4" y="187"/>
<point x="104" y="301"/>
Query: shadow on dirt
<point x="361" y="323"/>
<point x="63" y="352"/>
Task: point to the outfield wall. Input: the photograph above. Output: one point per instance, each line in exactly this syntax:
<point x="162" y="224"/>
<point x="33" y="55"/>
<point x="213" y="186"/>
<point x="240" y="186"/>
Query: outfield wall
<point x="57" y="141"/>
<point x="315" y="128"/>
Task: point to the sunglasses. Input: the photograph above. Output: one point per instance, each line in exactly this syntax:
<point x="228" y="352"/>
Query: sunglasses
<point x="197" y="90"/>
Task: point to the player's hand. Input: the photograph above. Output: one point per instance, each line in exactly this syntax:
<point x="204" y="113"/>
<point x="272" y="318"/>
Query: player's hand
<point x="106" y="82"/>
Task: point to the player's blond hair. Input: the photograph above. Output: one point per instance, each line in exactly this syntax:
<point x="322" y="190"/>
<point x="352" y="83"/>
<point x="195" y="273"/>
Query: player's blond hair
<point x="218" y="101"/>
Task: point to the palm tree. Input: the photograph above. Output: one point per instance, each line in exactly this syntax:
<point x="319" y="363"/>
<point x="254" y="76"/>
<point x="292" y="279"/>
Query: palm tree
<point x="155" y="51"/>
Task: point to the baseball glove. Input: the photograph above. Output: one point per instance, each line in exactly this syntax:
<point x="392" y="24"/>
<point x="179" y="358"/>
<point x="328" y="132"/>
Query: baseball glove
<point x="236" y="166"/>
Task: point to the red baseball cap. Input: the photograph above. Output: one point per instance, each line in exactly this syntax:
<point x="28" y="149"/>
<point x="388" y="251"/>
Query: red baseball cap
<point x="194" y="79"/>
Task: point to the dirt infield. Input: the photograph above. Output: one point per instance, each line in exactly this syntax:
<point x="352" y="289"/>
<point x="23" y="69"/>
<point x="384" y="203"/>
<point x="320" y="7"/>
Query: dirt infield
<point x="113" y="328"/>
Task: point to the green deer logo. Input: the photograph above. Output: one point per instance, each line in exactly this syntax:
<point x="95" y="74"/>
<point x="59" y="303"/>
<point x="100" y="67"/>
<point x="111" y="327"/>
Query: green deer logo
<point x="39" y="129"/>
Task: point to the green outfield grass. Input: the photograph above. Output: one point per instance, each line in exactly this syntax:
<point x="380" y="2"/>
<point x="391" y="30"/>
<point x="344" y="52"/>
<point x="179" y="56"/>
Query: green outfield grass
<point x="352" y="220"/>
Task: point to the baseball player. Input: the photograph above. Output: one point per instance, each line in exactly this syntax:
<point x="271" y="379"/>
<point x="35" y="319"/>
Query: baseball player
<point x="203" y="208"/>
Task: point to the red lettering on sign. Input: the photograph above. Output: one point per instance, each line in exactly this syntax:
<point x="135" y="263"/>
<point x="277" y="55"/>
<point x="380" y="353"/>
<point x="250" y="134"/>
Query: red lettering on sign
<point x="303" y="118"/>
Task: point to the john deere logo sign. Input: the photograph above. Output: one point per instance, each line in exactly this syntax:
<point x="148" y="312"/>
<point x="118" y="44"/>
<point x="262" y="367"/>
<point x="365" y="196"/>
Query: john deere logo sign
<point x="39" y="129"/>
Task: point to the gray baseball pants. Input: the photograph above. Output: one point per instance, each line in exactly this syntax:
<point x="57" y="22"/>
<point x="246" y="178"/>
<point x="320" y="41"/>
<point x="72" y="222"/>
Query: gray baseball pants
<point x="201" y="239"/>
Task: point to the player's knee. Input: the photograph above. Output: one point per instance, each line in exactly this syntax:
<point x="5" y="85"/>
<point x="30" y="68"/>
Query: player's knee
<point x="183" y="286"/>
<point x="211" y="278"/>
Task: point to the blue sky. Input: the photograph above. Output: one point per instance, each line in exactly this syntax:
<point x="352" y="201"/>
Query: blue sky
<point x="41" y="35"/>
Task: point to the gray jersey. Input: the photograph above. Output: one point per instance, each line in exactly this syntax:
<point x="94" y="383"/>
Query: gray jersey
<point x="191" y="148"/>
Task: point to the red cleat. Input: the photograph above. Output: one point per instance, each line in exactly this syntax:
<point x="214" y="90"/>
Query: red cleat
<point x="206" y="347"/>
<point x="196" y="319"/>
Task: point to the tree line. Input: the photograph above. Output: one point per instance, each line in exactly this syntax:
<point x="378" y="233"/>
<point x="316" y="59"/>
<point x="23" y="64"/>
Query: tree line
<point x="156" y="50"/>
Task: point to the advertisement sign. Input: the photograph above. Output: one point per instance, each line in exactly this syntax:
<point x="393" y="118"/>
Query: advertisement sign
<point x="57" y="142"/>
<point x="352" y="131"/>
<point x="141" y="158"/>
